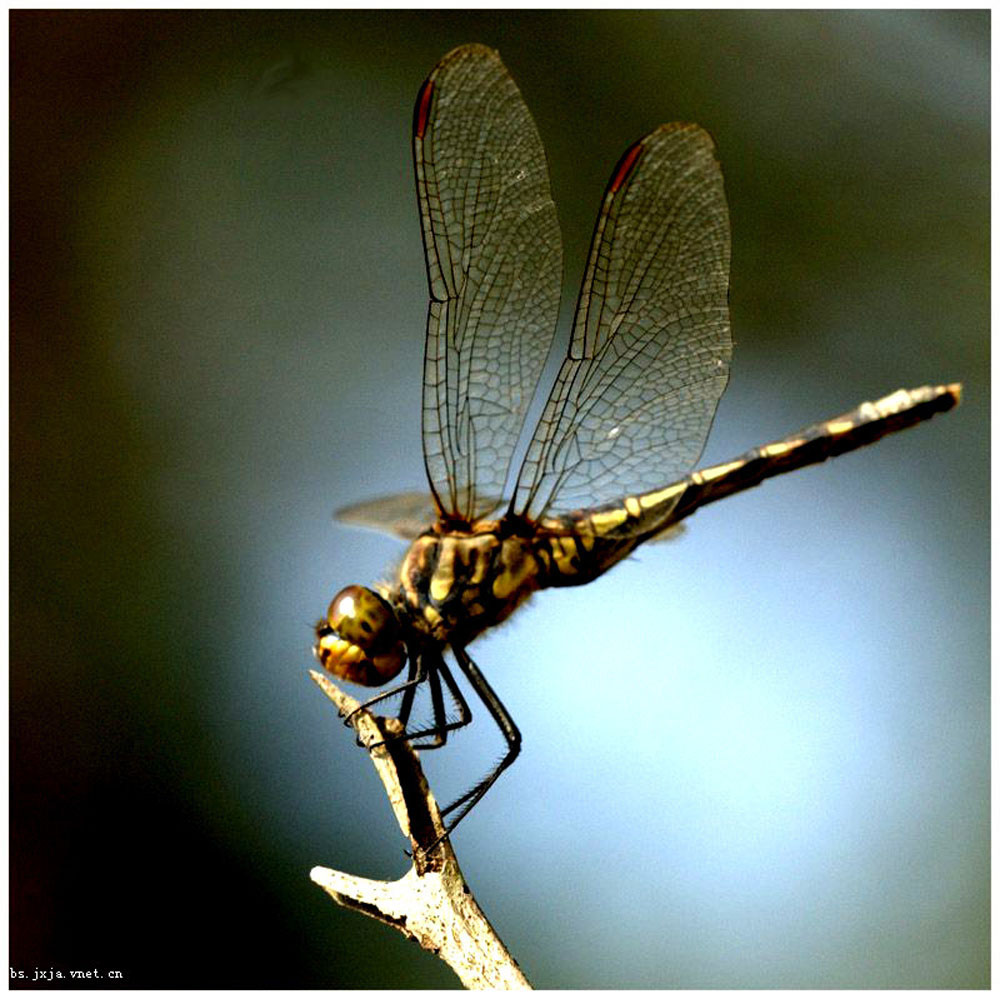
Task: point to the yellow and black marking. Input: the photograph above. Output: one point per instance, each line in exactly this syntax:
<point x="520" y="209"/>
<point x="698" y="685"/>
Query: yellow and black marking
<point x="453" y="586"/>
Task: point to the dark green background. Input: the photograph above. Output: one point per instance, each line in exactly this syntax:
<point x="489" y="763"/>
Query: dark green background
<point x="757" y="757"/>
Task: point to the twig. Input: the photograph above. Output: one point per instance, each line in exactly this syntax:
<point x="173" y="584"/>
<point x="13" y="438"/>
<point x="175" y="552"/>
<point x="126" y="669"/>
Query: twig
<point x="431" y="903"/>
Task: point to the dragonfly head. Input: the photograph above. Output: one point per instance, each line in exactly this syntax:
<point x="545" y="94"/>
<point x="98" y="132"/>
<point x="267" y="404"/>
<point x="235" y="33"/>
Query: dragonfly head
<point x="359" y="640"/>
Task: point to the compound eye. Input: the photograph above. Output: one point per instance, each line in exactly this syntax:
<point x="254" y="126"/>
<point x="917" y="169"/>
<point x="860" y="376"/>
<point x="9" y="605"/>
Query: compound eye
<point x="361" y="616"/>
<point x="360" y="639"/>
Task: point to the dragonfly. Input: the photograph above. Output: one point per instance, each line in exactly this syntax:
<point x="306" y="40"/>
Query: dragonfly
<point x="609" y="464"/>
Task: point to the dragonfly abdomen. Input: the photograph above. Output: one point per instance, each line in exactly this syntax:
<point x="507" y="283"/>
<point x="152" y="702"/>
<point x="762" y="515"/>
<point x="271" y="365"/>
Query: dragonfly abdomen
<point x="577" y="548"/>
<point x="862" y="425"/>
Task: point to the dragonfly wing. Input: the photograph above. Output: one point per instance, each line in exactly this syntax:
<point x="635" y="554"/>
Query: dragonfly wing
<point x="650" y="351"/>
<point x="405" y="515"/>
<point x="494" y="266"/>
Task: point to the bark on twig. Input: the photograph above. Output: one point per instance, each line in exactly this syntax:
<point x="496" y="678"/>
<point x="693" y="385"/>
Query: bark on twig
<point x="431" y="903"/>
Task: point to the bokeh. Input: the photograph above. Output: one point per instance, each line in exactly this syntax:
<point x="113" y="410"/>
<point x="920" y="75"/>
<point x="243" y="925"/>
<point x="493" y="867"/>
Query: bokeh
<point x="757" y="756"/>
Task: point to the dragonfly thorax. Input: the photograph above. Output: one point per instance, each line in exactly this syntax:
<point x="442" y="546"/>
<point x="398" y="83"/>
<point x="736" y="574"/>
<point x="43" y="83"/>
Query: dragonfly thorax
<point x="452" y="586"/>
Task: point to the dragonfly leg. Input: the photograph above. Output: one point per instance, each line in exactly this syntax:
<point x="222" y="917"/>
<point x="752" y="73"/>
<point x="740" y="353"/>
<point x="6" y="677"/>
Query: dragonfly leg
<point x="437" y="702"/>
<point x="504" y="722"/>
<point x="442" y="726"/>
<point x="418" y="671"/>
<point x="416" y="676"/>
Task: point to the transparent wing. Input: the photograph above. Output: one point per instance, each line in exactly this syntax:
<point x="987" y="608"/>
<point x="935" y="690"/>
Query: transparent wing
<point x="649" y="356"/>
<point x="406" y="515"/>
<point x="494" y="266"/>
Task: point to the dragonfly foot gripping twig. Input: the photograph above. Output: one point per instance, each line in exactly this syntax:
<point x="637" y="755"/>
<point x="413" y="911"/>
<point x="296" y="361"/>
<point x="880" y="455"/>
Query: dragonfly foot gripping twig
<point x="431" y="903"/>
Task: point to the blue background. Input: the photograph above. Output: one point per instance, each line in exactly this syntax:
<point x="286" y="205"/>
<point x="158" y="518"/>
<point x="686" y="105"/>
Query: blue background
<point x="757" y="756"/>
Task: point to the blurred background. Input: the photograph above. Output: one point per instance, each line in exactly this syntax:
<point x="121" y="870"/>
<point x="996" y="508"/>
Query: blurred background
<point x="754" y="757"/>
